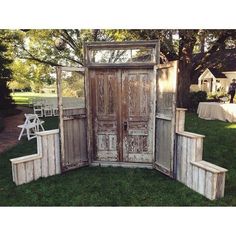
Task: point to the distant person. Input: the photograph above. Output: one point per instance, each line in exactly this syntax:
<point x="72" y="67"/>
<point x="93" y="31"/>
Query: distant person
<point x="231" y="92"/>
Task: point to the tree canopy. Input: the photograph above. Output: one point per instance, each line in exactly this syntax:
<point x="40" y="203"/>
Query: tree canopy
<point x="5" y="76"/>
<point x="35" y="50"/>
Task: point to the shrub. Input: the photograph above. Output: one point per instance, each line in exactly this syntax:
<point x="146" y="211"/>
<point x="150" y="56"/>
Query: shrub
<point x="215" y="97"/>
<point x="195" y="98"/>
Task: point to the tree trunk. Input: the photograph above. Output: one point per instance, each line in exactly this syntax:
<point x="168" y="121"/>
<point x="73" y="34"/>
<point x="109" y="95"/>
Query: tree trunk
<point x="202" y="41"/>
<point x="186" y="45"/>
<point x="184" y="83"/>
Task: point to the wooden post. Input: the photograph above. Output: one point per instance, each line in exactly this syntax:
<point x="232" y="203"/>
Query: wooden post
<point x="180" y="119"/>
<point x="60" y="110"/>
<point x="88" y="106"/>
<point x="157" y="53"/>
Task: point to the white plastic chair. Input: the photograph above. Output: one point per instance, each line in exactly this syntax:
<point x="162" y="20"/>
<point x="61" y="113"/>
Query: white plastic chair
<point x="38" y="108"/>
<point x="31" y="126"/>
<point x="48" y="110"/>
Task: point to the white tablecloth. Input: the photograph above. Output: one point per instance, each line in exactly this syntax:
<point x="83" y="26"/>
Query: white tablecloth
<point x="217" y="111"/>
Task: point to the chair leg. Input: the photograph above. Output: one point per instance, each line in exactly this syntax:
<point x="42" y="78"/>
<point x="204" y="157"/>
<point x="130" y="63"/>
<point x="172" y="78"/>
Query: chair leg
<point x="36" y="128"/>
<point x="42" y="127"/>
<point x="32" y="133"/>
<point x="28" y="133"/>
<point x="21" y="133"/>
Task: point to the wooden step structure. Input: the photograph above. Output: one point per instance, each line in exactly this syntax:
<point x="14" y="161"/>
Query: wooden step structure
<point x="201" y="176"/>
<point x="43" y="164"/>
<point x="209" y="179"/>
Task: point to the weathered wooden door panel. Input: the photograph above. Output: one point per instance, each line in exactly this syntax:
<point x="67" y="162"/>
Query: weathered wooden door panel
<point x="138" y="115"/>
<point x="73" y="134"/>
<point x="75" y="139"/>
<point x="104" y="85"/>
<point x="123" y="114"/>
<point x="165" y="117"/>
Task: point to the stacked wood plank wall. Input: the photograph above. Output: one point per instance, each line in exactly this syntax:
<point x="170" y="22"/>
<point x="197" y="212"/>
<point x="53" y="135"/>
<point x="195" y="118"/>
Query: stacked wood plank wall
<point x="43" y="164"/>
<point x="201" y="176"/>
<point x="75" y="142"/>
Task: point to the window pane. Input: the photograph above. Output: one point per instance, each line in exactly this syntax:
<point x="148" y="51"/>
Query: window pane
<point x="72" y="90"/>
<point x="122" y="55"/>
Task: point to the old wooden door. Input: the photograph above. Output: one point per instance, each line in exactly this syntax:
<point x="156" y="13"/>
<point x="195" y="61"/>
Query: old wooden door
<point x="165" y="118"/>
<point x="123" y="114"/>
<point x="105" y="113"/>
<point x="73" y="133"/>
<point x="138" y="105"/>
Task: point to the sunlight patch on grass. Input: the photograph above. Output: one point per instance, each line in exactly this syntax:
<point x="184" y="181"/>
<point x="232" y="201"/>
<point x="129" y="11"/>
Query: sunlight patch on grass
<point x="32" y="94"/>
<point x="231" y="126"/>
<point x="25" y="97"/>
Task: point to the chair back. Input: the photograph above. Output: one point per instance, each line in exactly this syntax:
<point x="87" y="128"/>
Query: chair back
<point x="31" y="118"/>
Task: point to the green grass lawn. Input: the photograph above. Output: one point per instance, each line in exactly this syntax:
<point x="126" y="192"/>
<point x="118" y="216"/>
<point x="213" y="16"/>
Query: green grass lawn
<point x="97" y="186"/>
<point x="23" y="98"/>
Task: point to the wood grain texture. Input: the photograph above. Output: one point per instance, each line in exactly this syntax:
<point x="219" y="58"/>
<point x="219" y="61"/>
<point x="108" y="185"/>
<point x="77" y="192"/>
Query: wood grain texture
<point x="51" y="156"/>
<point x="138" y="115"/>
<point x="184" y="160"/>
<point x="60" y="111"/>
<point x="45" y="156"/>
<point x="21" y="173"/>
<point x="179" y="157"/>
<point x="180" y="119"/>
<point x="14" y="173"/>
<point x="209" y="185"/>
<point x="220" y="186"/>
<point x="57" y="154"/>
<point x="25" y="158"/>
<point x="75" y="139"/>
<point x="201" y="176"/>
<point x="39" y="145"/>
<point x="37" y="169"/>
<point x="190" y="155"/>
<point x="129" y="44"/>
<point x="210" y="180"/>
<point x="195" y="177"/>
<point x="29" y="169"/>
<point x="166" y="116"/>
<point x="201" y="181"/>
<point x="122" y="98"/>
<point x="105" y="112"/>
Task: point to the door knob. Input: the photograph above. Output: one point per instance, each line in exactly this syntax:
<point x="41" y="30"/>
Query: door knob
<point x="125" y="125"/>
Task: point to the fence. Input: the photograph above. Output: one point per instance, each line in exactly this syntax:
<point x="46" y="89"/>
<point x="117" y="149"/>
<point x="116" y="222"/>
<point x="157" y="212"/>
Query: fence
<point x="201" y="176"/>
<point x="49" y="106"/>
<point x="43" y="164"/>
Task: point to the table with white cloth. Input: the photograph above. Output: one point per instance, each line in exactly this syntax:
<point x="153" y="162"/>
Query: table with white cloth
<point x="217" y="111"/>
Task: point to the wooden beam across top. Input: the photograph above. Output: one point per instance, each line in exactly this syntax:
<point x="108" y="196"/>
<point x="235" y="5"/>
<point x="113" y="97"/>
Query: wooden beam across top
<point x="70" y="69"/>
<point x="124" y="44"/>
<point x="121" y="65"/>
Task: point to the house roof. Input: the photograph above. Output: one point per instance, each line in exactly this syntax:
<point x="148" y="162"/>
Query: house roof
<point x="221" y="60"/>
<point x="217" y="73"/>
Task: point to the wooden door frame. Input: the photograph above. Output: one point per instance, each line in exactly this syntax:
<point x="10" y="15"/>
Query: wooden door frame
<point x="59" y="70"/>
<point x="90" y="112"/>
<point x="155" y="44"/>
<point x="172" y="172"/>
